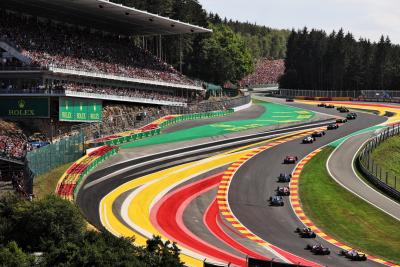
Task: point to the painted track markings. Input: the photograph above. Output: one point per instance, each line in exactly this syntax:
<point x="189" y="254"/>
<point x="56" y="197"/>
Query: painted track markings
<point x="298" y="209"/>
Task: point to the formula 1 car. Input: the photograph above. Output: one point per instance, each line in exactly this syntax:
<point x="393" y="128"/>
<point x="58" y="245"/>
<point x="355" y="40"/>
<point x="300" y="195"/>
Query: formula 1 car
<point x="308" y="140"/>
<point x="343" y="110"/>
<point x="318" y="134"/>
<point x="332" y="126"/>
<point x="276" y="201"/>
<point x="330" y="106"/>
<point x="354" y="114"/>
<point x="305" y="232"/>
<point x="290" y="159"/>
<point x="284" y="178"/>
<point x="350" y="116"/>
<point x="353" y="255"/>
<point x="322" y="105"/>
<point x="318" y="249"/>
<point x="289" y="100"/>
<point x="341" y="120"/>
<point x="283" y="191"/>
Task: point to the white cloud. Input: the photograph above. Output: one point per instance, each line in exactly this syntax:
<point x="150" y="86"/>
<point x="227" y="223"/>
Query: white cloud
<point x="364" y="18"/>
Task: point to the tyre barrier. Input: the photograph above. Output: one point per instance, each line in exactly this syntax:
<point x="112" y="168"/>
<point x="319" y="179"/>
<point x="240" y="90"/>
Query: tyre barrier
<point x="68" y="184"/>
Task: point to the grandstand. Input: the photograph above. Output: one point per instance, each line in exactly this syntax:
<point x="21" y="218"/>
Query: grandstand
<point x="267" y="72"/>
<point x="66" y="63"/>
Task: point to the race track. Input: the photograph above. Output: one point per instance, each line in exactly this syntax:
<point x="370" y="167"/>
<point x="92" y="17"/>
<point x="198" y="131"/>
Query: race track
<point x="340" y="165"/>
<point x="256" y="181"/>
<point x="173" y="194"/>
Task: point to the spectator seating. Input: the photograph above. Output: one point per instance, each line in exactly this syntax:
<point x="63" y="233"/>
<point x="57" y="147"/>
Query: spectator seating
<point x="266" y="72"/>
<point x="48" y="44"/>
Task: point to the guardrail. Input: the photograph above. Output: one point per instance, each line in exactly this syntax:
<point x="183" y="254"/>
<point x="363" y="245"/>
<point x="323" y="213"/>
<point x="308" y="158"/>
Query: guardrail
<point x="381" y="178"/>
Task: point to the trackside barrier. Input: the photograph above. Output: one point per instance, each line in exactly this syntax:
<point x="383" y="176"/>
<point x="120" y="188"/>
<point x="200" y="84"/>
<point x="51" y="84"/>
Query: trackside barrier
<point x="155" y="128"/>
<point x="69" y="183"/>
<point x="382" y="179"/>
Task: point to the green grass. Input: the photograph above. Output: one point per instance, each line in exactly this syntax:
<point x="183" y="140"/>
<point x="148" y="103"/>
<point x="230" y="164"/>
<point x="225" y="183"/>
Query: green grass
<point x="387" y="156"/>
<point x="45" y="184"/>
<point x="343" y="215"/>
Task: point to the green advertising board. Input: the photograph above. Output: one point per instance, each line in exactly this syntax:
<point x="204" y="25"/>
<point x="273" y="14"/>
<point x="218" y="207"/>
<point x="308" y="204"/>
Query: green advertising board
<point x="78" y="109"/>
<point x="24" y="107"/>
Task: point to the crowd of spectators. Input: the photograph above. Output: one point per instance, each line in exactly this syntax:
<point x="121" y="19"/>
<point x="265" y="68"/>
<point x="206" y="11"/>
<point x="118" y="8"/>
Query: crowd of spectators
<point x="13" y="143"/>
<point x="266" y="72"/>
<point x="13" y="147"/>
<point x="49" y="44"/>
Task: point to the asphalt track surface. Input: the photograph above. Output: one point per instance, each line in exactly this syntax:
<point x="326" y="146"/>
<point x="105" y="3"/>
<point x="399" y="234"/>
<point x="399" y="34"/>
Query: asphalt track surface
<point x="102" y="182"/>
<point x="89" y="198"/>
<point x="256" y="181"/>
<point x="340" y="165"/>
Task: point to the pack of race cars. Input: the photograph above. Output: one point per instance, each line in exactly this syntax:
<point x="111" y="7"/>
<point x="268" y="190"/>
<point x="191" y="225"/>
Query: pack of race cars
<point x="282" y="191"/>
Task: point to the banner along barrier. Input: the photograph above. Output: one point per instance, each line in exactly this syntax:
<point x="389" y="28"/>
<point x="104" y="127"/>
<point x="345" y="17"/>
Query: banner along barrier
<point x="155" y="128"/>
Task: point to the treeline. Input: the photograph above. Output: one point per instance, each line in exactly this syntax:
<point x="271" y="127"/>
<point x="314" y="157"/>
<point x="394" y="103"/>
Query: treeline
<point x="228" y="54"/>
<point x="317" y="61"/>
<point x="52" y="232"/>
<point x="263" y="42"/>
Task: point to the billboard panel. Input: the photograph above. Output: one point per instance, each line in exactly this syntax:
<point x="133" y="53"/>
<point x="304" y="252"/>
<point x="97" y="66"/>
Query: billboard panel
<point x="24" y="107"/>
<point x="78" y="109"/>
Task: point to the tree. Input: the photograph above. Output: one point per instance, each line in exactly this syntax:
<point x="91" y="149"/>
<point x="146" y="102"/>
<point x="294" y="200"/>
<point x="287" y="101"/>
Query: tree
<point x="223" y="57"/>
<point x="95" y="249"/>
<point x="13" y="256"/>
<point x="338" y="62"/>
<point x="159" y="253"/>
<point x="39" y="224"/>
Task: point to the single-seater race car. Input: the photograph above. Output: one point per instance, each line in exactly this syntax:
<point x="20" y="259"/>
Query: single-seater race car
<point x="289" y="100"/>
<point x="341" y="120"/>
<point x="353" y="255"/>
<point x="330" y="106"/>
<point x="318" y="249"/>
<point x="318" y="134"/>
<point x="283" y="191"/>
<point x="276" y="201"/>
<point x="284" y="178"/>
<point x="308" y="140"/>
<point x="332" y="126"/>
<point x="322" y="105"/>
<point x="306" y="232"/>
<point x="351" y="116"/>
<point x="343" y="110"/>
<point x="290" y="159"/>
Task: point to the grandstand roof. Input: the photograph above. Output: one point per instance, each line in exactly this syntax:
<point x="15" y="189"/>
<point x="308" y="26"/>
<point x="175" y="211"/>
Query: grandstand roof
<point x="103" y="15"/>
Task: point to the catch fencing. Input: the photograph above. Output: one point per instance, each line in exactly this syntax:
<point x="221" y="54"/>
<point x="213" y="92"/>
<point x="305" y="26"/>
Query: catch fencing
<point x="356" y="95"/>
<point x="382" y="178"/>
<point x="53" y="155"/>
<point x="318" y="93"/>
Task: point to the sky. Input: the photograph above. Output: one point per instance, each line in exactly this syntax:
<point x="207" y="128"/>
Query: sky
<point x="364" y="18"/>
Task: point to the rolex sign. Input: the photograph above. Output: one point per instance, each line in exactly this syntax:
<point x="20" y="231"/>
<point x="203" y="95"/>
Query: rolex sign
<point x="24" y="107"/>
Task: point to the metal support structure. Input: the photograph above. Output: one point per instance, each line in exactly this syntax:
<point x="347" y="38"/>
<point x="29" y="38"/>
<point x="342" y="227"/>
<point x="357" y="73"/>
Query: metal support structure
<point x="180" y="53"/>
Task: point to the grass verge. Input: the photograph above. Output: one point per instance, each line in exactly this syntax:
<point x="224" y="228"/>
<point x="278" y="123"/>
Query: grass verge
<point x="391" y="147"/>
<point x="343" y="215"/>
<point x="45" y="184"/>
